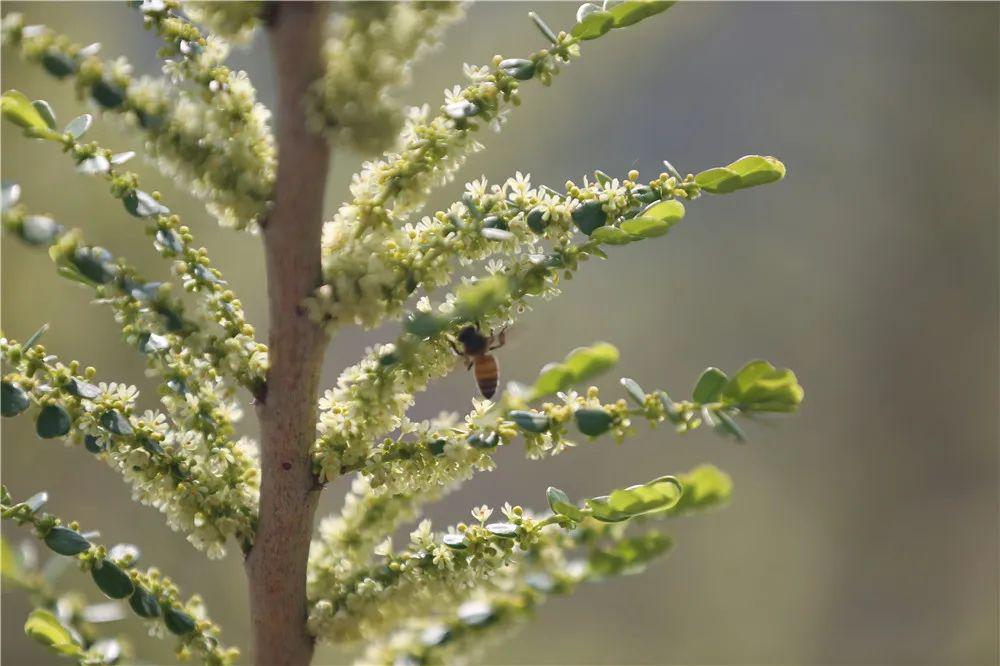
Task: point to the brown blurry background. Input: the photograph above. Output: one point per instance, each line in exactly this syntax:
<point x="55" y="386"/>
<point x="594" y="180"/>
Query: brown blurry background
<point x="864" y="529"/>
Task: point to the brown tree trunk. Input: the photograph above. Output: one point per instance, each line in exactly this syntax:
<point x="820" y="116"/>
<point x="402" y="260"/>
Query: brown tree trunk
<point x="276" y="564"/>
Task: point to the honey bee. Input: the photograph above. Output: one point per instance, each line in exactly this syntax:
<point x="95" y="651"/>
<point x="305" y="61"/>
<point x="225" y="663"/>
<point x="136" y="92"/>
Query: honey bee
<point x="476" y="349"/>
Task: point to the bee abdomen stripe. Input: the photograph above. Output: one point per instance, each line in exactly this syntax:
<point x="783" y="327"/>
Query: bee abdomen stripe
<point x="487" y="375"/>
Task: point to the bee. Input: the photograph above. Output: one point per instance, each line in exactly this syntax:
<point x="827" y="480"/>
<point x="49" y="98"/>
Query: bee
<point x="476" y="349"/>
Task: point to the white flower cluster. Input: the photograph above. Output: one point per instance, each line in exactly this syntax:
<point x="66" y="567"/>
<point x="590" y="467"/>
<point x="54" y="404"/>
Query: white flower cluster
<point x="236" y="20"/>
<point x="369" y="51"/>
<point x="384" y="193"/>
<point x="235" y="352"/>
<point x="203" y="640"/>
<point x="205" y="487"/>
<point x="434" y="570"/>
<point x="491" y="610"/>
<point x="215" y="140"/>
<point x="231" y="117"/>
<point x="371" y="397"/>
<point x="370" y="400"/>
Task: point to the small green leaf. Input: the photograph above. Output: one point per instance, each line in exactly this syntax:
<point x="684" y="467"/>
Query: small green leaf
<point x="206" y="274"/>
<point x="66" y="541"/>
<point x="39" y="230"/>
<point x="626" y="557"/>
<point x="169" y="240"/>
<point x="580" y="364"/>
<point x="602" y="511"/>
<point x="745" y="172"/>
<point x="709" y="386"/>
<point x="43" y="626"/>
<point x="108" y="94"/>
<point x="704" y="486"/>
<point x="530" y="421"/>
<point x="122" y="158"/>
<point x="35" y="337"/>
<point x="178" y="622"/>
<point x="93" y="165"/>
<point x="589" y="215"/>
<point x="585" y="10"/>
<point x="645" y="194"/>
<point x="108" y="650"/>
<point x="455" y="541"/>
<point x="82" y="389"/>
<point x="142" y="204"/>
<point x="10" y="194"/>
<point x="593" y="25"/>
<point x="518" y="68"/>
<point x="46" y="112"/>
<point x="561" y="504"/>
<point x="461" y="110"/>
<point x="728" y="426"/>
<point x="94" y="263"/>
<point x="52" y="421"/>
<point x="18" y="109"/>
<point x="759" y="386"/>
<point x="79" y="125"/>
<point x="435" y="635"/>
<point x="593" y="421"/>
<point x="669" y="211"/>
<point x="36" y="501"/>
<point x="496" y="234"/>
<point x="476" y="613"/>
<point x="543" y="27"/>
<point x="436" y="447"/>
<point x="642" y="227"/>
<point x="672" y="170"/>
<point x="114" y="422"/>
<point x="58" y="64"/>
<point x="586" y="362"/>
<point x="475" y="300"/>
<point x="718" y="180"/>
<point x="612" y="235"/>
<point x="153" y="343"/>
<point x="757" y="170"/>
<point x="425" y="324"/>
<point x="536" y="220"/>
<point x="552" y="379"/>
<point x="483" y="440"/>
<point x="92" y="444"/>
<point x="632" y="11"/>
<point x="657" y="495"/>
<point x="634" y="391"/>
<point x="112" y="580"/>
<point x="13" y="399"/>
<point x="144" y="603"/>
<point x="152" y="446"/>
<point x="502" y="530"/>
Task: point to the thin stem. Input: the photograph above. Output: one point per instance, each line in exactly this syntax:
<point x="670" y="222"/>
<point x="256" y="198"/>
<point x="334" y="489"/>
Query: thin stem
<point x="276" y="564"/>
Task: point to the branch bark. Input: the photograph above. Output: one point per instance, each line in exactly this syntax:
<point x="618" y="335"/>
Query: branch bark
<point x="276" y="563"/>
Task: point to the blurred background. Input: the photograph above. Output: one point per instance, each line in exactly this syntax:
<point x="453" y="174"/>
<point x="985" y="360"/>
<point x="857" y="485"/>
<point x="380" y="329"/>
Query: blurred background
<point x="864" y="529"/>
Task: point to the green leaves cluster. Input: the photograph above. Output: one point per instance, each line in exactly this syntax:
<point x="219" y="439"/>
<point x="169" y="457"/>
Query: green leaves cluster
<point x="657" y="495"/>
<point x="595" y="20"/>
<point x="579" y="365"/>
<point x="150" y="595"/>
<point x="743" y="173"/>
<point x="757" y="387"/>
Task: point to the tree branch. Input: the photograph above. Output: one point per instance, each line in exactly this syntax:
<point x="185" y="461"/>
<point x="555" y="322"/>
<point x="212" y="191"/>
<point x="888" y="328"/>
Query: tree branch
<point x="276" y="564"/>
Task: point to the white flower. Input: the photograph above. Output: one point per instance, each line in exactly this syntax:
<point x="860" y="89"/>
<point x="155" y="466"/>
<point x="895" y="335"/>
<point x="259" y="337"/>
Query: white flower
<point x="482" y="513"/>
